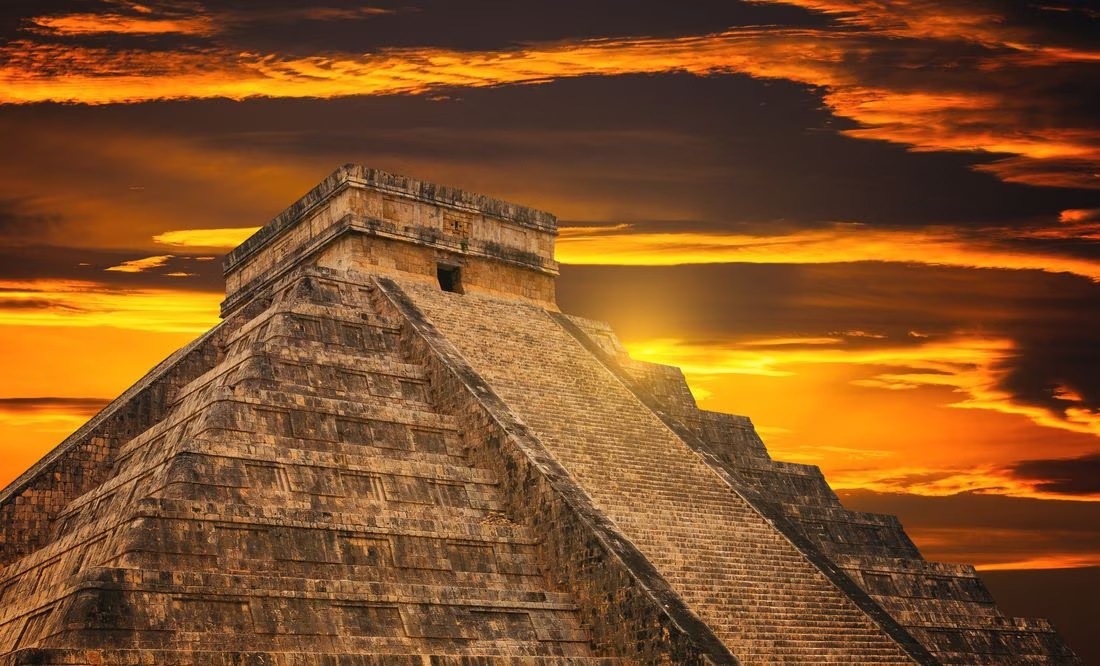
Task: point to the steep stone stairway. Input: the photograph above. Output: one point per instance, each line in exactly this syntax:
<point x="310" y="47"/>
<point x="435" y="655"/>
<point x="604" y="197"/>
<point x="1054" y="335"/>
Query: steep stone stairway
<point x="756" y="591"/>
<point x="302" y="499"/>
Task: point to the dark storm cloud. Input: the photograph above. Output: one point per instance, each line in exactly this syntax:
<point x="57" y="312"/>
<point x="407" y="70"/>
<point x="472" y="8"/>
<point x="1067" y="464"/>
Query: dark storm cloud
<point x="1058" y="358"/>
<point x="1070" y="476"/>
<point x="729" y="149"/>
<point x="927" y="76"/>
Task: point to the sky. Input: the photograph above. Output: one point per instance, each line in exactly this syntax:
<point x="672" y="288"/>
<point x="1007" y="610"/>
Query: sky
<point x="873" y="226"/>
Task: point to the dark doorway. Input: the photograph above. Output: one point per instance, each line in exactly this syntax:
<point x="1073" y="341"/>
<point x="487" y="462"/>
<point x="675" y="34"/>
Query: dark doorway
<point x="450" y="278"/>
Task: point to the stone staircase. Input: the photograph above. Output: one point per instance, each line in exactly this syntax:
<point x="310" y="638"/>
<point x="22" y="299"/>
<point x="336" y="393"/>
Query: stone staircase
<point x="755" y="590"/>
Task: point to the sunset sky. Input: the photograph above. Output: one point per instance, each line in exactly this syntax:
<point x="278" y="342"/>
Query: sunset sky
<point x="873" y="226"/>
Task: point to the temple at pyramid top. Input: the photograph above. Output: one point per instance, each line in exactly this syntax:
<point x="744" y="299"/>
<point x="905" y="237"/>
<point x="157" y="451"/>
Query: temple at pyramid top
<point x="396" y="450"/>
<point x="359" y="216"/>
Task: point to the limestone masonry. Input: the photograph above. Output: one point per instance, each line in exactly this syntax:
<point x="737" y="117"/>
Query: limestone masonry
<point x="395" y="449"/>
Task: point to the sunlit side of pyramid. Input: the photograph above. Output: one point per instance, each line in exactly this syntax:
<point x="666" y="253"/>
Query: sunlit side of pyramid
<point x="396" y="450"/>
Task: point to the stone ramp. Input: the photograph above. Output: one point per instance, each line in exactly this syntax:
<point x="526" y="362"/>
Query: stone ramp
<point x="759" y="594"/>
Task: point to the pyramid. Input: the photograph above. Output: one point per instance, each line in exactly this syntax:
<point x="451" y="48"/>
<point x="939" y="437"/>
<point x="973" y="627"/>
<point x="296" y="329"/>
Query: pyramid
<point x="395" y="449"/>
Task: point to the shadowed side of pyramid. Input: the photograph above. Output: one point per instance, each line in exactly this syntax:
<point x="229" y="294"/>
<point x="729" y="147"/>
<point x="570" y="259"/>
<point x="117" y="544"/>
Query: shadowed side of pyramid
<point x="303" y="495"/>
<point x="395" y="449"/>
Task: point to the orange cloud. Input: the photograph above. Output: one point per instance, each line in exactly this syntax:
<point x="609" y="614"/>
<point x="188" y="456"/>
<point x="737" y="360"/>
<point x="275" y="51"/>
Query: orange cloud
<point x="973" y="367"/>
<point x="206" y="238"/>
<point x="962" y="21"/>
<point x="121" y="24"/>
<point x="142" y="20"/>
<point x="33" y="74"/>
<point x="838" y="244"/>
<point x="935" y="482"/>
<point x="619" y="245"/>
<point x="140" y="265"/>
<point x="1004" y="549"/>
<point x="88" y="305"/>
<point x="37" y="72"/>
<point x="1051" y="561"/>
<point x="929" y="108"/>
<point x="1079" y="215"/>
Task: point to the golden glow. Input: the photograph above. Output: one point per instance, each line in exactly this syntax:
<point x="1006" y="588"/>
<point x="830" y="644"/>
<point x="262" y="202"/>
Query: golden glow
<point x="1002" y="549"/>
<point x="1055" y="561"/>
<point x="618" y="245"/>
<point x="88" y="304"/>
<point x="96" y="361"/>
<point x="140" y="265"/>
<point x="970" y="367"/>
<point x="838" y="244"/>
<point x="206" y="238"/>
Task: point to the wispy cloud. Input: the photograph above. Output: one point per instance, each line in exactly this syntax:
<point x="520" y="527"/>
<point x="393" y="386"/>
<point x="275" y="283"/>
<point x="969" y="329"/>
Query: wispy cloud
<point x="931" y="101"/>
<point x="1008" y="549"/>
<point x="1079" y="215"/>
<point x="222" y="239"/>
<point x="64" y="413"/>
<point x="191" y="20"/>
<point x="974" y="367"/>
<point x="840" y="243"/>
<point x="141" y="265"/>
<point x="122" y="24"/>
<point x="89" y="304"/>
<point x="882" y="477"/>
<point x="971" y="21"/>
<point x="621" y="245"/>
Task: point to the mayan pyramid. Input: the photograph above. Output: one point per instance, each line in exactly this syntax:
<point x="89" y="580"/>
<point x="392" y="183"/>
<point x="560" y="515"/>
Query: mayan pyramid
<point x="395" y="449"/>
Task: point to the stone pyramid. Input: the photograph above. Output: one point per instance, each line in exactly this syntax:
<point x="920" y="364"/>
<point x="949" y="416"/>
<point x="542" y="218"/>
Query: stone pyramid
<point x="395" y="449"/>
